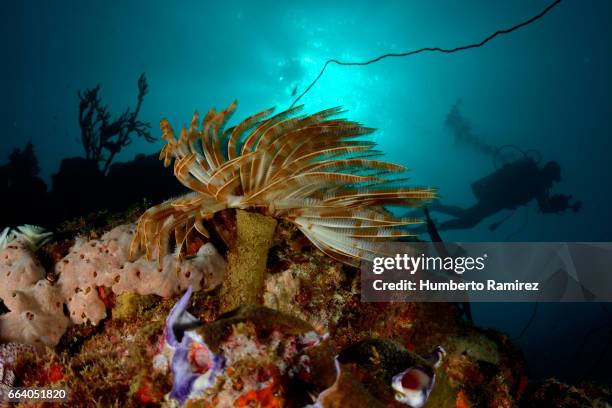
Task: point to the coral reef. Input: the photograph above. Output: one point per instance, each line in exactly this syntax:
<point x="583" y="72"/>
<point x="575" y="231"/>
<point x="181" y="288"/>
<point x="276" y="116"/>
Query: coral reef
<point x="143" y="177"/>
<point x="250" y="356"/>
<point x="390" y="374"/>
<point x="9" y="356"/>
<point x="297" y="190"/>
<point x="346" y="391"/>
<point x="552" y="393"/>
<point x="78" y="177"/>
<point x="36" y="305"/>
<point x="127" y="360"/>
<point x="127" y="183"/>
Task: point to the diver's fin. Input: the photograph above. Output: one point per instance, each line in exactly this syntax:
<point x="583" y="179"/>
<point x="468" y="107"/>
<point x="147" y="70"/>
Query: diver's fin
<point x="496" y="225"/>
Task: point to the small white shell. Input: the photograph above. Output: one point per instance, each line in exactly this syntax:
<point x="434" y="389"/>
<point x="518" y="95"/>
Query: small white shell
<point x="417" y="396"/>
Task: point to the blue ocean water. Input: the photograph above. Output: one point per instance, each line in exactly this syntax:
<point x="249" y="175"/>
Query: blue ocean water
<point x="545" y="87"/>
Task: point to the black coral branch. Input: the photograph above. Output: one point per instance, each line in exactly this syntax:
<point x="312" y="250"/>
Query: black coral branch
<point x="104" y="137"/>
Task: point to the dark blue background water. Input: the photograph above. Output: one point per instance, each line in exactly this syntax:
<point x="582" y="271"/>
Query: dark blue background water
<point x="545" y="87"/>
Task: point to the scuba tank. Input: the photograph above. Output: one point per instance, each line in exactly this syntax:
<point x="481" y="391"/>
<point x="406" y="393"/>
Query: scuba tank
<point x="512" y="182"/>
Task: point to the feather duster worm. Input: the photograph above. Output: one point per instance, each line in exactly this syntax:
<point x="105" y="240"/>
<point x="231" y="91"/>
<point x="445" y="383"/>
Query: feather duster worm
<point x="309" y="169"/>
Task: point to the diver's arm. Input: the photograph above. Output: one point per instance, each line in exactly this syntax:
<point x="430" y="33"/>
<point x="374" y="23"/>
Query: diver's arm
<point x="558" y="203"/>
<point x="543" y="201"/>
<point x="545" y="204"/>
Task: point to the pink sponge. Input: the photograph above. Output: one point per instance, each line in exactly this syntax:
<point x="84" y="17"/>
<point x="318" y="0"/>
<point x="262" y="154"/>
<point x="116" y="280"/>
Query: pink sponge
<point x="19" y="268"/>
<point x="104" y="262"/>
<point x="37" y="307"/>
<point x="36" y="315"/>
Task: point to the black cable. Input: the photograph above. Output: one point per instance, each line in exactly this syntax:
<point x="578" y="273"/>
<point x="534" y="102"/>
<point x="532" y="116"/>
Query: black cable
<point x="428" y="49"/>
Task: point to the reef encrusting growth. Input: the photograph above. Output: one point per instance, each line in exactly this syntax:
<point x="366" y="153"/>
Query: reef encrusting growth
<point x="117" y="363"/>
<point x="314" y="343"/>
<point x="36" y="305"/>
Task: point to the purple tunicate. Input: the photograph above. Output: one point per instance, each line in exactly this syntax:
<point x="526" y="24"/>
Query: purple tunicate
<point x="192" y="373"/>
<point x="178" y="319"/>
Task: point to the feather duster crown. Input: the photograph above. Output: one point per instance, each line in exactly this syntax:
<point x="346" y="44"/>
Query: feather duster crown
<point x="311" y="170"/>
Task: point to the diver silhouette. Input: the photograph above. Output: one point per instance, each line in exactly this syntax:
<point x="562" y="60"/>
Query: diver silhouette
<point x="511" y="186"/>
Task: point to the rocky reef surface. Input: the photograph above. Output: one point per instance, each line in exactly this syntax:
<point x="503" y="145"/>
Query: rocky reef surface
<point x="311" y="343"/>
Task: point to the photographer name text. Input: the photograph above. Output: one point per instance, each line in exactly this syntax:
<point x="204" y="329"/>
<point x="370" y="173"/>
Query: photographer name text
<point x="429" y="285"/>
